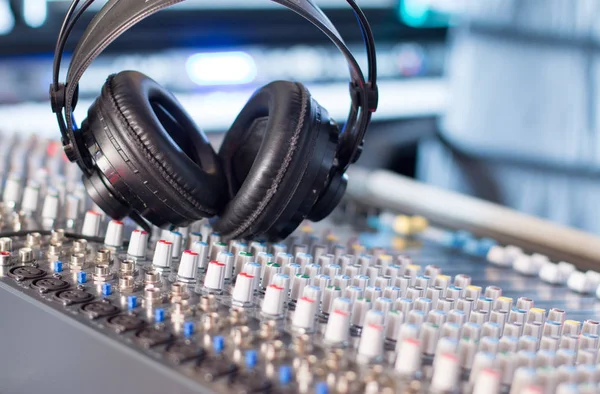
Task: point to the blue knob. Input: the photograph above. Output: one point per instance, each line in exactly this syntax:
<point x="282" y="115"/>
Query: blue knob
<point x="285" y="374"/>
<point x="457" y="239"/>
<point x="106" y="289"/>
<point x="131" y="302"/>
<point x="188" y="329"/>
<point x="322" y="388"/>
<point x="251" y="358"/>
<point x="81" y="277"/>
<point x="471" y="246"/>
<point x="485" y="244"/>
<point x="58" y="266"/>
<point x="159" y="315"/>
<point x="218" y="344"/>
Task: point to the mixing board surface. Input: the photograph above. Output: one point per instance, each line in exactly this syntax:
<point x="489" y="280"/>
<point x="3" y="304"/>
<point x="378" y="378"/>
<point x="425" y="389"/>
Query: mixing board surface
<point x="375" y="303"/>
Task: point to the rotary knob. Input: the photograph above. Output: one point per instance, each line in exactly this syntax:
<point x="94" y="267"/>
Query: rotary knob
<point x="188" y="267"/>
<point x="114" y="234"/>
<point x="163" y="254"/>
<point x="138" y="244"/>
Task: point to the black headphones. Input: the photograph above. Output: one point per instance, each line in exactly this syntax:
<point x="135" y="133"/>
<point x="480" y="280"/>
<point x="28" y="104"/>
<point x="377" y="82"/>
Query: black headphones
<point x="282" y="161"/>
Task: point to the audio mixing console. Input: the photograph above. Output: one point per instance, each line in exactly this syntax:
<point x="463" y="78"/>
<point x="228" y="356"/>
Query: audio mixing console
<point x="367" y="301"/>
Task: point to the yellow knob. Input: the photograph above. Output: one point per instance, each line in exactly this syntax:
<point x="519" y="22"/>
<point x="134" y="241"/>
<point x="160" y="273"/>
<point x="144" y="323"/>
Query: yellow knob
<point x="410" y="225"/>
<point x="402" y="225"/>
<point x="419" y="224"/>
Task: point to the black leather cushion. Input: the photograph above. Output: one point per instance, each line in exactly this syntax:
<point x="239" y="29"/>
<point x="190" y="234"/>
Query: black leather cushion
<point x="265" y="156"/>
<point x="175" y="160"/>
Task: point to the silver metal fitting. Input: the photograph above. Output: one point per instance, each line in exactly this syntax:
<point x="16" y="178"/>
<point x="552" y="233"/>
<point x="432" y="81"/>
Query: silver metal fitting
<point x="152" y="278"/>
<point x="238" y="316"/>
<point x="103" y="256"/>
<point x="33" y="240"/>
<point x="55" y="251"/>
<point x="208" y="303"/>
<point x="152" y="294"/>
<point x="77" y="261"/>
<point x="18" y="221"/>
<point x="268" y="329"/>
<point x="5" y="259"/>
<point x="102" y="273"/>
<point x="126" y="283"/>
<point x="80" y="246"/>
<point x="127" y="267"/>
<point x="179" y="293"/>
<point x="25" y="255"/>
<point x="240" y="335"/>
<point x="57" y="236"/>
<point x="5" y="244"/>
<point x="179" y="313"/>
<point x="211" y="321"/>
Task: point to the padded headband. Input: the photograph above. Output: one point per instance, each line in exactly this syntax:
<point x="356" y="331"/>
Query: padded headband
<point x="117" y="16"/>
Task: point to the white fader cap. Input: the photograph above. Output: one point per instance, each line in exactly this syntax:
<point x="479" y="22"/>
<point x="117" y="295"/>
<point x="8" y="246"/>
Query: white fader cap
<point x="579" y="282"/>
<point x="177" y="240"/>
<point x="50" y="206"/>
<point x="12" y="190"/>
<point x="91" y="224"/>
<point x="488" y="382"/>
<point x="273" y="301"/>
<point x="114" y="234"/>
<point x="304" y="315"/>
<point x="527" y="265"/>
<point x="215" y="276"/>
<point x="162" y="254"/>
<point x="445" y="377"/>
<point x="188" y="267"/>
<point x="408" y="361"/>
<point x="138" y="242"/>
<point x="550" y="273"/>
<point x="371" y="342"/>
<point x="243" y="289"/>
<point x="336" y="331"/>
<point x="73" y="205"/>
<point x="31" y="195"/>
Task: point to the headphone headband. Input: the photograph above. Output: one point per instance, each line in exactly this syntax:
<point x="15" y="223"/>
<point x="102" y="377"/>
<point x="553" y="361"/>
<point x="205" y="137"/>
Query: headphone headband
<point x="117" y="16"/>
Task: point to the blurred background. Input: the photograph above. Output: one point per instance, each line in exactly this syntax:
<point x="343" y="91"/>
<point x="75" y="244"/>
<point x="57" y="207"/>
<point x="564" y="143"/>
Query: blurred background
<point x="493" y="98"/>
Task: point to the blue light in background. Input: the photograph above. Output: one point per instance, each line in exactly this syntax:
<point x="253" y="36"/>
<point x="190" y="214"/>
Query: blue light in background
<point x="221" y="68"/>
<point x="428" y="13"/>
<point x="414" y="12"/>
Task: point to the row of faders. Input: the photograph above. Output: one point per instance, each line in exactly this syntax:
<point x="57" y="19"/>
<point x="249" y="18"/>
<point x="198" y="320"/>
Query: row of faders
<point x="532" y="273"/>
<point x="39" y="186"/>
<point x="314" y="314"/>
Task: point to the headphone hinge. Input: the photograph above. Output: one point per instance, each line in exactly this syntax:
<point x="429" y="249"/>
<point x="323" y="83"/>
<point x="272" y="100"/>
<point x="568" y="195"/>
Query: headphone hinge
<point x="58" y="102"/>
<point x="57" y="97"/>
<point x="372" y="95"/>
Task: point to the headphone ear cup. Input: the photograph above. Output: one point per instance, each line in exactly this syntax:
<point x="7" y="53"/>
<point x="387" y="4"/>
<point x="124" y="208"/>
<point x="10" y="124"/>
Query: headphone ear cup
<point x="277" y="157"/>
<point x="104" y="195"/>
<point x="152" y="154"/>
<point x="331" y="196"/>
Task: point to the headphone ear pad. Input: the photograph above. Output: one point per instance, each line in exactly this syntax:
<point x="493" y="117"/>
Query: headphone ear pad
<point x="277" y="150"/>
<point x="152" y="153"/>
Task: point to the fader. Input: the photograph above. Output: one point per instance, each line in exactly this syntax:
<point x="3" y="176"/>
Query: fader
<point x="344" y="306"/>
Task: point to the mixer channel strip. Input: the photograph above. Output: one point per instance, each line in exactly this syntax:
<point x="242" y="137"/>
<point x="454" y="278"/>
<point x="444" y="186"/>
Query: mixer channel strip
<point x="374" y="303"/>
<point x="327" y="311"/>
